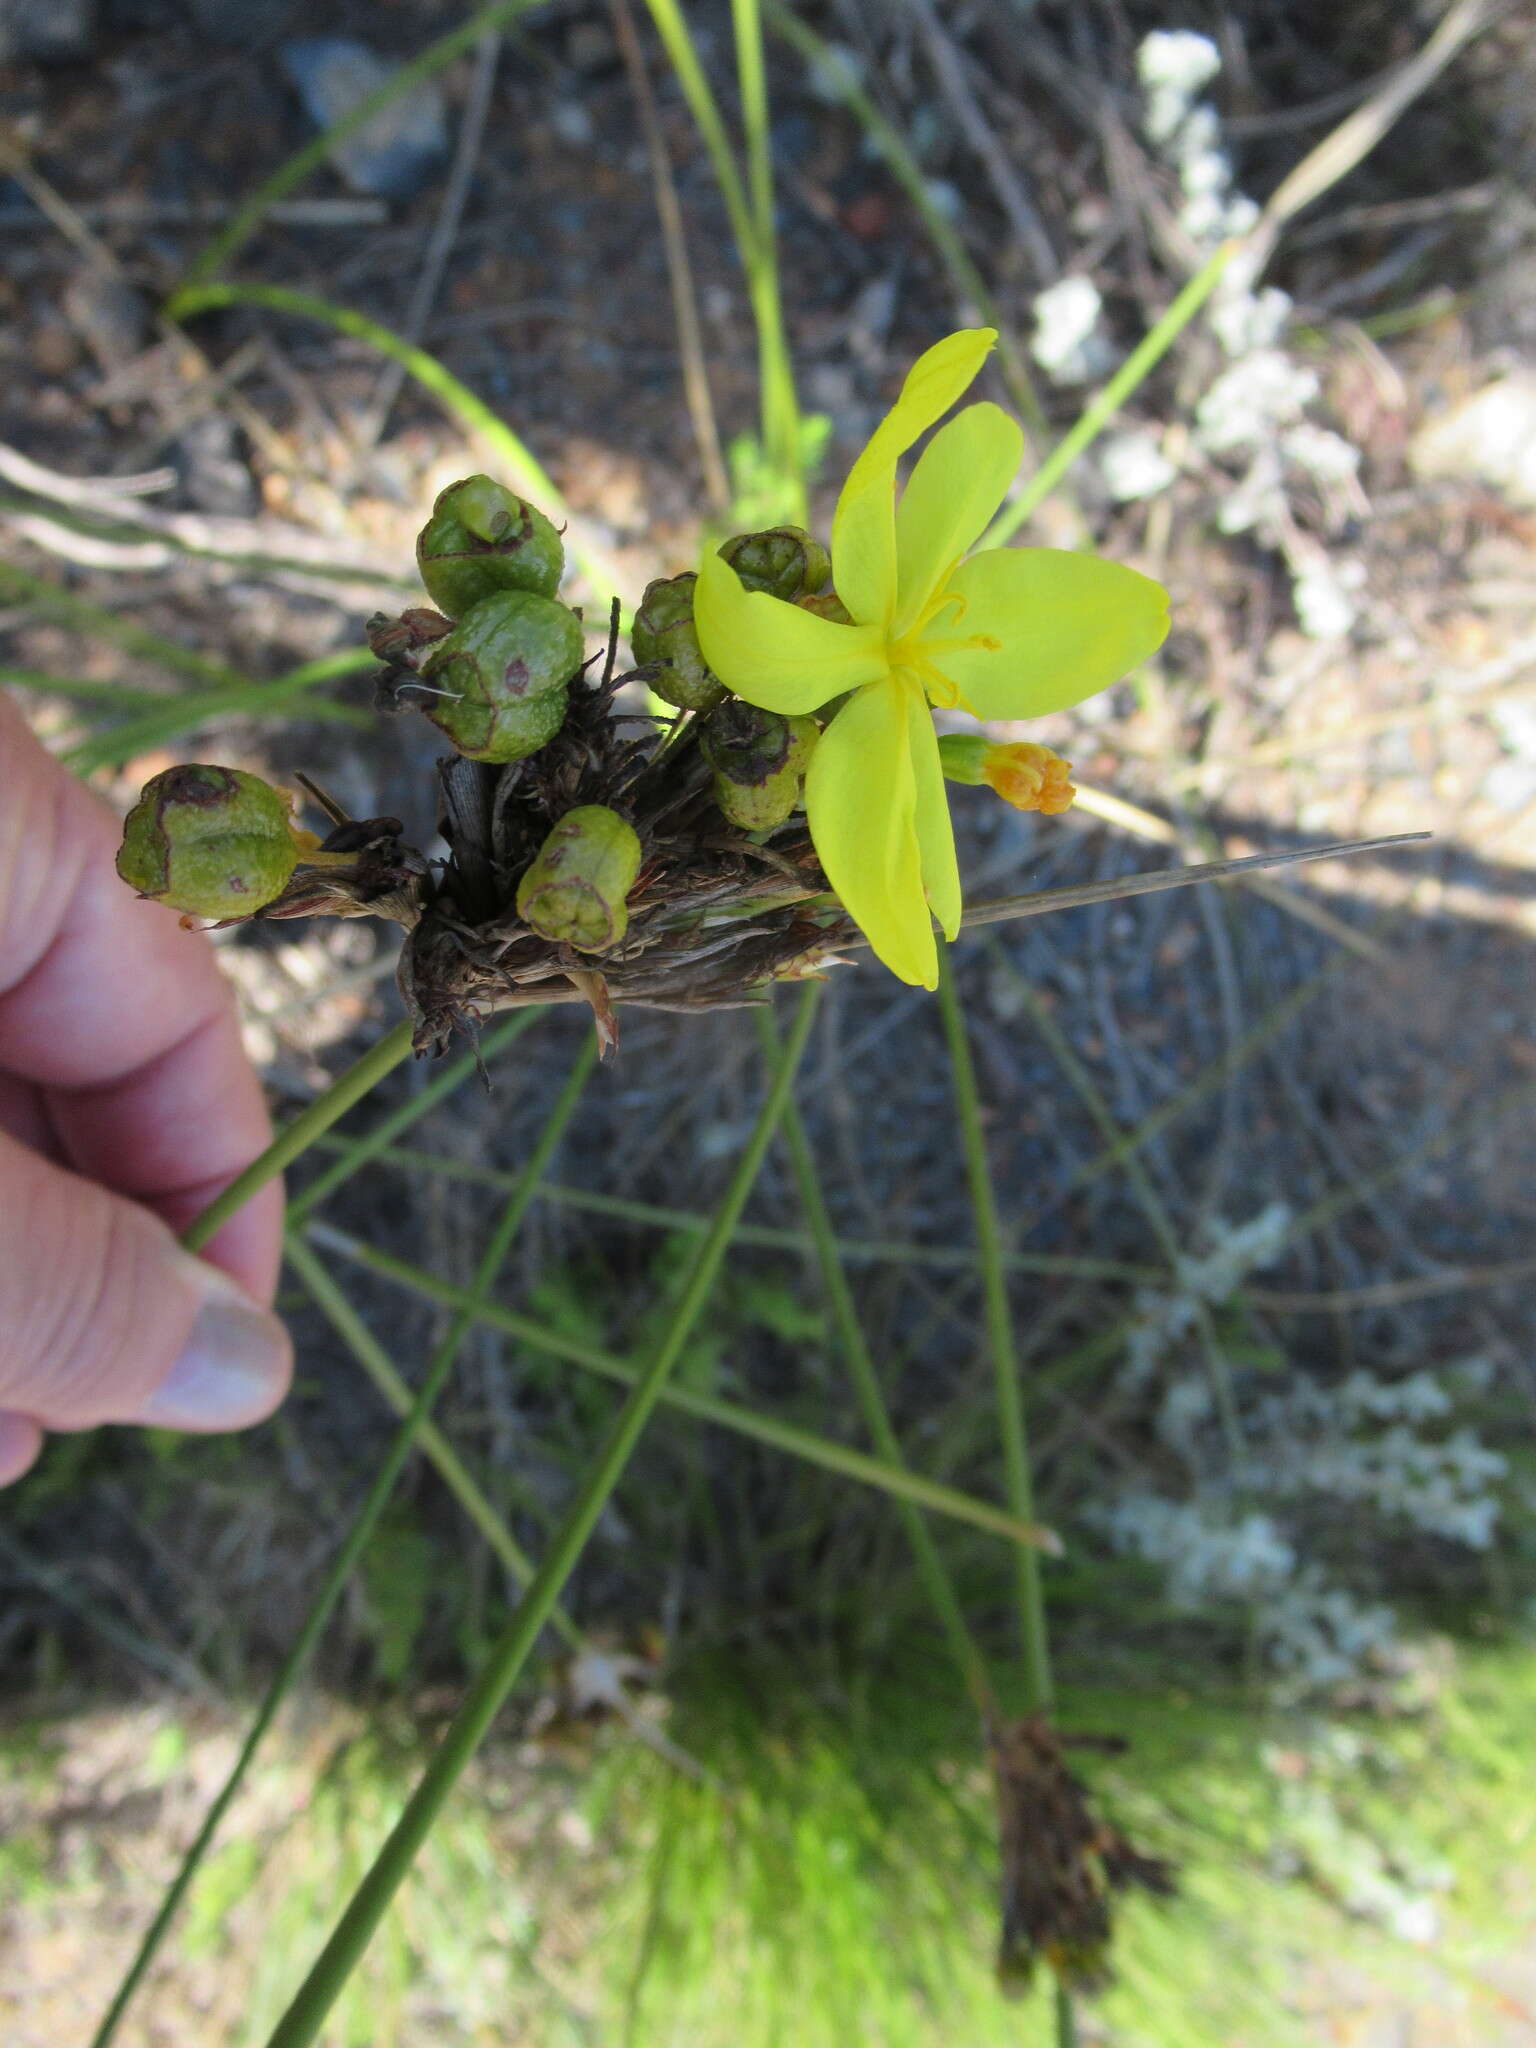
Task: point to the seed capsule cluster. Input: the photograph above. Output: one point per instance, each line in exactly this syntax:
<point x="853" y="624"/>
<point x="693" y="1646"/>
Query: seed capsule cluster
<point x="592" y="855"/>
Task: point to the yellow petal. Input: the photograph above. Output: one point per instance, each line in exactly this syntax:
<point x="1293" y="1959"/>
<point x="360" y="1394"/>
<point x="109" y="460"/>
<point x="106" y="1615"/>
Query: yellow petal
<point x="1066" y="626"/>
<point x="935" y="833"/>
<point x="959" y="481"/>
<point x="774" y="654"/>
<point x="860" y="799"/>
<point x="864" y="525"/>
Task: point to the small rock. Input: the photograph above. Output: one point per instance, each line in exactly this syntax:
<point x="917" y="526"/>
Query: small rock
<point x="1488" y="438"/>
<point x="401" y="148"/>
<point x="46" y="31"/>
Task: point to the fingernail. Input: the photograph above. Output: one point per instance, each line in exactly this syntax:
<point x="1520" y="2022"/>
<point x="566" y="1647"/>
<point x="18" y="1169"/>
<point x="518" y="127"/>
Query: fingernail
<point x="234" y="1370"/>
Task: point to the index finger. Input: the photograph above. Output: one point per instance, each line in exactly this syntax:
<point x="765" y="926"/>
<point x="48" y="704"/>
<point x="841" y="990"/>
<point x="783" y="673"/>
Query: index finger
<point x="120" y="1017"/>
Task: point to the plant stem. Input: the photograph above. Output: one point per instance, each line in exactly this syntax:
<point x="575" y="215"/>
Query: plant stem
<point x="780" y="409"/>
<point x="302" y="2022"/>
<point x="748" y="1422"/>
<point x="674" y="241"/>
<point x="22" y="586"/>
<point x="472" y="412"/>
<point x="1138" y="366"/>
<point x="851" y="1250"/>
<point x="904" y="167"/>
<point x="353" y="1544"/>
<point x="164" y="718"/>
<point x="866" y="1384"/>
<point x="359" y="1151"/>
<point x="1038" y="1690"/>
<point x="751" y="222"/>
<point x="351" y="1087"/>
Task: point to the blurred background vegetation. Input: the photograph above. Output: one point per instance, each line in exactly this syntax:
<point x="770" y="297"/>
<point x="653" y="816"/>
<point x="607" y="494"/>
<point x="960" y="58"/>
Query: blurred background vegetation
<point x="1262" y="1156"/>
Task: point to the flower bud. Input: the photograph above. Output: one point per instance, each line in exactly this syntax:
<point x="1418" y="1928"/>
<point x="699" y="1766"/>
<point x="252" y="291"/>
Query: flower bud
<point x="214" y="842"/>
<point x="482" y="538"/>
<point x="503" y="674"/>
<point x="759" y="761"/>
<point x="663" y="635"/>
<point x="577" y="888"/>
<point x="784" y="561"/>
<point x="1028" y="776"/>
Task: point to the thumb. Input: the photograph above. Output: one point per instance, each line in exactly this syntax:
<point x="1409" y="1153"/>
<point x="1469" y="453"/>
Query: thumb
<point x="105" y="1318"/>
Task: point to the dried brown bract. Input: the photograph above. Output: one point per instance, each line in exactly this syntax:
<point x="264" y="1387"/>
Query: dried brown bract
<point x="1061" y="1864"/>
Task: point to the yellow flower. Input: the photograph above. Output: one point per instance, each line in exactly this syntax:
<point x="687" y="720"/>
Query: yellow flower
<point x="1011" y="633"/>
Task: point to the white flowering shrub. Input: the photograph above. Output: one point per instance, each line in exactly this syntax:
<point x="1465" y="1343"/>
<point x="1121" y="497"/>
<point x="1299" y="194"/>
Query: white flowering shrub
<point x="1266" y="1524"/>
<point x="1253" y="418"/>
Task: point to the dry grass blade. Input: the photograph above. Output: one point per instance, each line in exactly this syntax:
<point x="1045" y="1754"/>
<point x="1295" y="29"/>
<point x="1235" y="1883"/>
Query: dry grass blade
<point x="1074" y="898"/>
<point x="1142" y="824"/>
<point x="674" y="242"/>
<point x="1356" y="136"/>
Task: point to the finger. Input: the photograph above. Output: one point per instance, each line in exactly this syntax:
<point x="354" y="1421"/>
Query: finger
<point x="120" y="1016"/>
<point x="104" y="1318"/>
<point x="20" y="1442"/>
<point x="24" y="1114"/>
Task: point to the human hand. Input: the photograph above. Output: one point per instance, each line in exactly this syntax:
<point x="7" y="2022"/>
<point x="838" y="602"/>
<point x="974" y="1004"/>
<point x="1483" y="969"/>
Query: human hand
<point x="126" y="1105"/>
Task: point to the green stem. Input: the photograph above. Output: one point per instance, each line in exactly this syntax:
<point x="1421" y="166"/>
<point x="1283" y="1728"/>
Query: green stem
<point x="1066" y="2019"/>
<point x="1038" y="1690"/>
<point x="21" y="586"/>
<point x="904" y="167"/>
<point x="672" y="27"/>
<point x="248" y="218"/>
<point x="351" y="1087"/>
<point x="748" y="1422"/>
<point x="1148" y="1200"/>
<point x="521" y="467"/>
<point x="358" y="1152"/>
<point x="305" y="2017"/>
<point x="1138" y="366"/>
<point x="871" y="1398"/>
<point x="416" y="1412"/>
<point x="855" y="1250"/>
<point x="780" y="408"/>
<point x="751" y="218"/>
<point x="167" y="717"/>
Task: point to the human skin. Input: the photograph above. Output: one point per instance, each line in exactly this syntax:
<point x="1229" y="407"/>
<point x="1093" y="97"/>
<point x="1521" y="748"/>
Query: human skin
<point x="126" y="1104"/>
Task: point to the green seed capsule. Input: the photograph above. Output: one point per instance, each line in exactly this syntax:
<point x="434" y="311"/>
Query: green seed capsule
<point x="577" y="887"/>
<point x="783" y="560"/>
<point x="759" y="761"/>
<point x="215" y="842"/>
<point x="664" y="634"/>
<point x="482" y="538"/>
<point x="504" y="671"/>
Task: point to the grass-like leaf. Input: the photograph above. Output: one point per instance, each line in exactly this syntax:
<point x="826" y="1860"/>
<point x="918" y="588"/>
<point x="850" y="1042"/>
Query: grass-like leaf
<point x="301" y="2024"/>
<point x="748" y="1422"/>
<point x="381" y="1489"/>
<point x="516" y="461"/>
